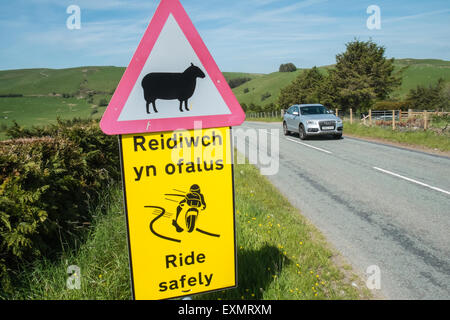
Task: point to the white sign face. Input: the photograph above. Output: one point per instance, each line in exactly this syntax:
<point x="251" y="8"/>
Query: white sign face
<point x="172" y="53"/>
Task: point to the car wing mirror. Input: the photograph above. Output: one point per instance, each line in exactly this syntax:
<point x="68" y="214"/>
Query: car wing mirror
<point x="296" y="113"/>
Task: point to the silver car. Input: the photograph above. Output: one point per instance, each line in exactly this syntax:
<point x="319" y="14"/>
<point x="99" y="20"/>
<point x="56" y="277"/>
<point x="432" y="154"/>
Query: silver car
<point x="312" y="120"/>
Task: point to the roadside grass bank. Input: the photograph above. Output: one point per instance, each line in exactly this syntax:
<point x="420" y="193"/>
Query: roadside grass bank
<point x="427" y="139"/>
<point x="280" y="255"/>
<point x="264" y="119"/>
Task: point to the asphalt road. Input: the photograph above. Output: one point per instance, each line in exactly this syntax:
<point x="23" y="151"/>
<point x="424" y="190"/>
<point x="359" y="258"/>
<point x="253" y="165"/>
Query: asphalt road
<point x="377" y="204"/>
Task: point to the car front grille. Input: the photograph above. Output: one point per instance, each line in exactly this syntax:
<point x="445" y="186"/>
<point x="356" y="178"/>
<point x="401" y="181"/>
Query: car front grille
<point x="327" y="124"/>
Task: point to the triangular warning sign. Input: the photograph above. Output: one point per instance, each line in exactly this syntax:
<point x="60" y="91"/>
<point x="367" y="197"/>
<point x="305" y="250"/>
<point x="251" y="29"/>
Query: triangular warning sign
<point x="172" y="82"/>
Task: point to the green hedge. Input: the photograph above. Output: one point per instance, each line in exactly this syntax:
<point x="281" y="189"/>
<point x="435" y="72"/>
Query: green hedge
<point x="392" y="105"/>
<point x="48" y="179"/>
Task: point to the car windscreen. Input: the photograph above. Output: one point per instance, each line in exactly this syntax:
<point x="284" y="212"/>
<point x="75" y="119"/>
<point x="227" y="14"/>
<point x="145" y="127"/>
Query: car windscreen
<point x="314" y="110"/>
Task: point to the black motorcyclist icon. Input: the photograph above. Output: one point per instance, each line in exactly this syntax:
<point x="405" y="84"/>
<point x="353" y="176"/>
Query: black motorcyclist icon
<point x="191" y="204"/>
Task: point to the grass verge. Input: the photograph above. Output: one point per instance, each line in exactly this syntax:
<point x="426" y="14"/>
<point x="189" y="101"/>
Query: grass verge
<point x="276" y="119"/>
<point x="280" y="255"/>
<point x="428" y="139"/>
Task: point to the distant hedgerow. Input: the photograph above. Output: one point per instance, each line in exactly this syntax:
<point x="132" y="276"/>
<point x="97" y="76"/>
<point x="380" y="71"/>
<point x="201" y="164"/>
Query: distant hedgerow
<point x="236" y="82"/>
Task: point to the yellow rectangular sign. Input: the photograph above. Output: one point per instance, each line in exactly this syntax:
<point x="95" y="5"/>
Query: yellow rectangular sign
<point x="179" y="199"/>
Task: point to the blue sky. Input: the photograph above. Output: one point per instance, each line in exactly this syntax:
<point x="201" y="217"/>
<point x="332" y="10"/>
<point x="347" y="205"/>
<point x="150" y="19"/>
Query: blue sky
<point x="242" y="35"/>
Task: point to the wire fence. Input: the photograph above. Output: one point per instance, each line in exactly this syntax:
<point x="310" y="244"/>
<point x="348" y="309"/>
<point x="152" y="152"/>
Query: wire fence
<point x="266" y="115"/>
<point x="397" y="119"/>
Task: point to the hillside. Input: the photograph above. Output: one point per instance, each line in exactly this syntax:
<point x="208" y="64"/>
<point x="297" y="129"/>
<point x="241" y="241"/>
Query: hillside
<point x="77" y="81"/>
<point x="414" y="72"/>
<point x="260" y="88"/>
<point x="51" y="81"/>
<point x="82" y="92"/>
<point x="47" y="94"/>
<point x="103" y="80"/>
<point x="420" y="72"/>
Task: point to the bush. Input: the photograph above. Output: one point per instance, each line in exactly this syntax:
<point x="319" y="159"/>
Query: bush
<point x="306" y="88"/>
<point x="11" y="95"/>
<point x="100" y="150"/>
<point x="48" y="179"/>
<point x="103" y="103"/>
<point x="392" y="105"/>
<point x="265" y="96"/>
<point x="288" y="67"/>
<point x="236" y="82"/>
<point x="433" y="97"/>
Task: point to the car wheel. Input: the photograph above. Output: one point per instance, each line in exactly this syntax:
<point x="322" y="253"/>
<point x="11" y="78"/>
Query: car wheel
<point x="285" y="130"/>
<point x="302" y="133"/>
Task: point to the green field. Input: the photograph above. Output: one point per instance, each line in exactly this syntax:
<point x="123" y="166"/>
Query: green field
<point x="51" y="81"/>
<point x="32" y="111"/>
<point x="43" y="93"/>
<point x="420" y="72"/>
<point x="270" y="83"/>
<point x="32" y="82"/>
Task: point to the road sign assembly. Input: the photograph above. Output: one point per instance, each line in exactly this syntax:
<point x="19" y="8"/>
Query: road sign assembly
<point x="173" y="111"/>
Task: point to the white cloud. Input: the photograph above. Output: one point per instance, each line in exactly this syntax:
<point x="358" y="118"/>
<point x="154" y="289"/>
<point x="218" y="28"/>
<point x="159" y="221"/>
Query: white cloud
<point x="100" y="4"/>
<point x="416" y="16"/>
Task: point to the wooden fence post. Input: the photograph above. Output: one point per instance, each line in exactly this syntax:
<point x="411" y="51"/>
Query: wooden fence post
<point x="370" y="117"/>
<point x="393" y="119"/>
<point x="351" y="116"/>
<point x="337" y="113"/>
<point x="425" y="120"/>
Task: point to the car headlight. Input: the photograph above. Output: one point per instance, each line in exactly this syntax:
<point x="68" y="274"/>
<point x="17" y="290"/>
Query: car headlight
<point x="311" y="122"/>
<point x="339" y="121"/>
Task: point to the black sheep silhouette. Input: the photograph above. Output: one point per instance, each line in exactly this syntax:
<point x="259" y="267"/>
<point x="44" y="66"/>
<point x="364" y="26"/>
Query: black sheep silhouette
<point x="171" y="86"/>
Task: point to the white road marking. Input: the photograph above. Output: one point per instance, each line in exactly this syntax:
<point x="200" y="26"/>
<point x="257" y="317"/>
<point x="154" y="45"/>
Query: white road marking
<point x="412" y="180"/>
<point x="309" y="146"/>
<point x="264" y="130"/>
<point x="268" y="132"/>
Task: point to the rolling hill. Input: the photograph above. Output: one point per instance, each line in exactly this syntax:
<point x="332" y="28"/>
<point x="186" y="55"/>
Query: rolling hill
<point x="420" y="72"/>
<point x="414" y="72"/>
<point x="59" y="81"/>
<point x="78" y="92"/>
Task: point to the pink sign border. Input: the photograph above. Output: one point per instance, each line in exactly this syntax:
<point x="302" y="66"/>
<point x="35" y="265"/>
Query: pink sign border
<point x="110" y="124"/>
